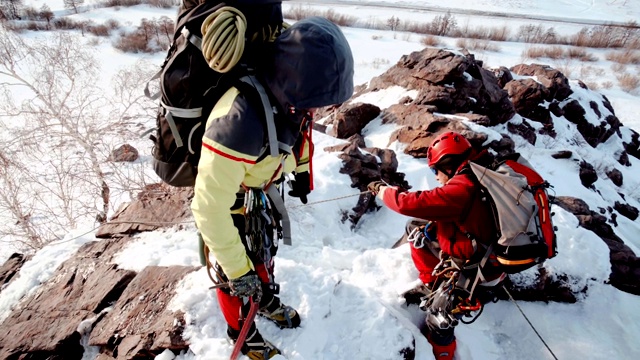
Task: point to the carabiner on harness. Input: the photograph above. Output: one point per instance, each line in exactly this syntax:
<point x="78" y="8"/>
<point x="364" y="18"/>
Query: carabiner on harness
<point x="417" y="238"/>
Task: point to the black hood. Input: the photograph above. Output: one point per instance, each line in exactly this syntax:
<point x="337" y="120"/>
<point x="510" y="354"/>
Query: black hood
<point x="312" y="65"/>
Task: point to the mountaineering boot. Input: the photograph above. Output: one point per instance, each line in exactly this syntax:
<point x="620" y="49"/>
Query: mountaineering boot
<point x="280" y="314"/>
<point x="414" y="296"/>
<point x="443" y="352"/>
<point x="255" y="347"/>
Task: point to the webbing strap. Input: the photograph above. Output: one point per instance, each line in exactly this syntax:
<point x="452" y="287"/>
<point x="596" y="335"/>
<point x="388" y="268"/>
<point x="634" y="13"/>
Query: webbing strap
<point x="182" y="112"/>
<point x="274" y="195"/>
<point x="268" y="111"/>
<point x="174" y="129"/>
<point x="195" y="40"/>
<point x="147" y="92"/>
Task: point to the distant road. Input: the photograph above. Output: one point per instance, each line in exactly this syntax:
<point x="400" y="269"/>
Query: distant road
<point x="459" y="11"/>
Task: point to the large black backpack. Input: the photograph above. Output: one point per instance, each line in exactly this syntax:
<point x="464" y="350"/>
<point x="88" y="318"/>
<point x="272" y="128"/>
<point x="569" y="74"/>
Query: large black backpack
<point x="189" y="87"/>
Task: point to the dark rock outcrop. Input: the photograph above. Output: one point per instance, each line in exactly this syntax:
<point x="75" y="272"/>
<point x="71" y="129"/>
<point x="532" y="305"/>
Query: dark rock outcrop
<point x="625" y="265"/>
<point x="352" y="119"/>
<point x="528" y="96"/>
<point x="46" y="323"/>
<point x="364" y="168"/>
<point x="626" y="210"/>
<point x="552" y="79"/>
<point x="156" y="206"/>
<point x="124" y="153"/>
<point x="140" y="325"/>
<point x="615" y="176"/>
<point x="588" y="174"/>
<point x="450" y="82"/>
<point x="10" y="268"/>
<point x="563" y="154"/>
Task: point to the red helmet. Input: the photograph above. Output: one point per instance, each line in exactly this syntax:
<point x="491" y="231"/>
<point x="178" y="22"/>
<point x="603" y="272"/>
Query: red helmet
<point x="447" y="144"/>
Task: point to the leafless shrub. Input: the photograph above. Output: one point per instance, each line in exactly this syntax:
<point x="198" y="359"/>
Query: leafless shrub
<point x="340" y="19"/>
<point x="36" y="26"/>
<point x="607" y="84"/>
<point x="534" y="52"/>
<point x="618" y="67"/>
<point x="417" y="27"/>
<point x="478" y="45"/>
<point x="164" y="4"/>
<point x="580" y="54"/>
<point x="624" y="56"/>
<point x="300" y="12"/>
<point x="592" y="85"/>
<point x="430" y="40"/>
<point x="150" y="36"/>
<point x="376" y="37"/>
<point x="476" y="32"/>
<point x="537" y="34"/>
<point x="123" y="3"/>
<point x="113" y="24"/>
<point x="500" y="33"/>
<point x="633" y="43"/>
<point x="588" y="71"/>
<point x="565" y="65"/>
<point x="65" y="23"/>
<point x="99" y="30"/>
<point x="15" y="26"/>
<point x="551" y="52"/>
<point x="628" y="82"/>
<point x="134" y="42"/>
<point x="30" y="13"/>
<point x="608" y="36"/>
<point x="444" y="24"/>
<point x="554" y="52"/>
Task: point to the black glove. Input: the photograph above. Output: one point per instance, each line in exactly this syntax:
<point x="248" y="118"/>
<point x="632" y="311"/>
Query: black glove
<point x="300" y="186"/>
<point x="247" y="285"/>
<point x="374" y="186"/>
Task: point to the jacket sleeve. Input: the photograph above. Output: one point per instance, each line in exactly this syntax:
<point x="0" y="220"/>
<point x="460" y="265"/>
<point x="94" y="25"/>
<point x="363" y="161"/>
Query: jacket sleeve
<point x="221" y="171"/>
<point x="219" y="178"/>
<point x="446" y="203"/>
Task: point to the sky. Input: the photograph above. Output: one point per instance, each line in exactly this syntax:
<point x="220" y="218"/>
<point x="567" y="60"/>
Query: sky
<point x="345" y="282"/>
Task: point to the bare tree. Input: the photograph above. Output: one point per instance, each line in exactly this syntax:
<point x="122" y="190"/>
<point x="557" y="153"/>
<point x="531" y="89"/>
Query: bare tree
<point x="46" y="14"/>
<point x="167" y="27"/>
<point x="11" y="9"/>
<point x="393" y="23"/>
<point x="73" y="4"/>
<point x="444" y="24"/>
<point x="59" y="148"/>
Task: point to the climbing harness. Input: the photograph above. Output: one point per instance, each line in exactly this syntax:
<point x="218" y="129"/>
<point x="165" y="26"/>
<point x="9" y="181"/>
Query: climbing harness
<point x="446" y="304"/>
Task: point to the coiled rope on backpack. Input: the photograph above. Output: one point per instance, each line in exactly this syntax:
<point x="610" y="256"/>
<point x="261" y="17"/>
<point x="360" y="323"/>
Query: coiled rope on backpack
<point x="223" y="38"/>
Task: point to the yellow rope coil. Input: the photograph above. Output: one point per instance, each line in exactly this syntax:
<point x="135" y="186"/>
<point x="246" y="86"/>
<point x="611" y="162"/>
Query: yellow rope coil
<point x="223" y="38"/>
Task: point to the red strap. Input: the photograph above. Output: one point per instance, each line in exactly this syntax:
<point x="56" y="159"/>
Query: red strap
<point x="253" y="310"/>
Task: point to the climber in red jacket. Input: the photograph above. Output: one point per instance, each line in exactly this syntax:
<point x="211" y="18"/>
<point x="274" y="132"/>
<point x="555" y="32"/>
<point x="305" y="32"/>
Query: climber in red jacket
<point x="441" y="213"/>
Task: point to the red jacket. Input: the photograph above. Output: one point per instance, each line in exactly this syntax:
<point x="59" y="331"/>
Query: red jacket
<point x="454" y="206"/>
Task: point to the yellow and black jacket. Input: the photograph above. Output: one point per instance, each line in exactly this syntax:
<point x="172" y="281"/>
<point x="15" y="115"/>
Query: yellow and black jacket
<point x="311" y="67"/>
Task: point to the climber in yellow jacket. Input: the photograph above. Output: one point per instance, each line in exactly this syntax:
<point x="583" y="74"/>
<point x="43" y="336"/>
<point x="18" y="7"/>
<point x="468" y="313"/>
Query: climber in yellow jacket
<point x="311" y="66"/>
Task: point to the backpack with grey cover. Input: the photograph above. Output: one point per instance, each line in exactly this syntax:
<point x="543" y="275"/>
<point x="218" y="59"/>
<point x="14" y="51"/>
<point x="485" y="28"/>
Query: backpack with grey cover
<point x="198" y="70"/>
<point x="526" y="234"/>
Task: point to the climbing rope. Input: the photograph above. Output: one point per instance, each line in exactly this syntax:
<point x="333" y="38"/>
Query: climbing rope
<point x="165" y="223"/>
<point x="530" y="324"/>
<point x="327" y="200"/>
<point x="223" y="38"/>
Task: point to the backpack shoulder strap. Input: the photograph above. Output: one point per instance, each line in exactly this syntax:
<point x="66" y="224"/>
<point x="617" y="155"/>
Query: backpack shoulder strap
<point x="268" y="112"/>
